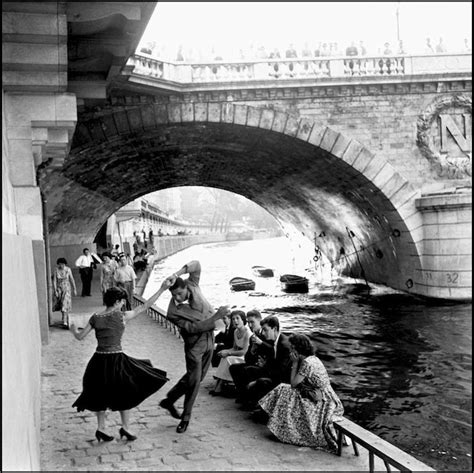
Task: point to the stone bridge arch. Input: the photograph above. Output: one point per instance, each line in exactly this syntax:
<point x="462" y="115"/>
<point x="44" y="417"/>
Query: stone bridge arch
<point x="313" y="179"/>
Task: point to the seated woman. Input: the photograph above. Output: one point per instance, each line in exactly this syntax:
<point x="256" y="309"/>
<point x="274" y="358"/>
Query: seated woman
<point x="223" y="340"/>
<point x="302" y="413"/>
<point x="235" y="354"/>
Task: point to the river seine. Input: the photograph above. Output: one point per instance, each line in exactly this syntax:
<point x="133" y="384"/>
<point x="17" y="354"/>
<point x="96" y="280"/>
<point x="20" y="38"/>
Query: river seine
<point x="402" y="366"/>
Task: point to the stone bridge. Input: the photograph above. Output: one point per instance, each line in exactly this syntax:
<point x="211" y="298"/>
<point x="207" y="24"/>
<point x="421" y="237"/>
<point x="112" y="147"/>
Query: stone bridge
<point x="374" y="168"/>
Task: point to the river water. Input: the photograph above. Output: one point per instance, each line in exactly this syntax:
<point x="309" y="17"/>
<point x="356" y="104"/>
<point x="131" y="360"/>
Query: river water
<point x="401" y="365"/>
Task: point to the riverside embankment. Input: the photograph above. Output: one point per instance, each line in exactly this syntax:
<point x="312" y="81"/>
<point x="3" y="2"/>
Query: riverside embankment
<point x="220" y="436"/>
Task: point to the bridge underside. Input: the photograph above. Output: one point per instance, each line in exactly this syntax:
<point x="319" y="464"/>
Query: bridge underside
<point x="301" y="185"/>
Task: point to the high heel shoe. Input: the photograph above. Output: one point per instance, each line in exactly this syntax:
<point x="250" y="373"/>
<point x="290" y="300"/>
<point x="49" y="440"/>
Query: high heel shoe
<point x="124" y="433"/>
<point x="101" y="436"/>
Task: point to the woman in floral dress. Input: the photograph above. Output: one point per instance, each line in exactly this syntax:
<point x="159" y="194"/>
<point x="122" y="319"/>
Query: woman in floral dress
<point x="107" y="272"/>
<point x="63" y="281"/>
<point x="302" y="413"/>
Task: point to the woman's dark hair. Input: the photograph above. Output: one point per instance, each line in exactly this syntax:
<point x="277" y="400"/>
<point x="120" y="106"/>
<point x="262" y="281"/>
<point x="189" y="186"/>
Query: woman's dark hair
<point x="85" y="249"/>
<point x="61" y="260"/>
<point x="241" y="314"/>
<point x="178" y="284"/>
<point x="113" y="295"/>
<point x="106" y="253"/>
<point x="302" y="344"/>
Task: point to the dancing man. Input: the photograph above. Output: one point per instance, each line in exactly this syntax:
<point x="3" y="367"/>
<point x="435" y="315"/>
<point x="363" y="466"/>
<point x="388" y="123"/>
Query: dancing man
<point x="195" y="317"/>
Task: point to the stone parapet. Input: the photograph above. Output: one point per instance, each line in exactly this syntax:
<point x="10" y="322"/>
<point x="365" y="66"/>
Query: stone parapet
<point x="145" y="70"/>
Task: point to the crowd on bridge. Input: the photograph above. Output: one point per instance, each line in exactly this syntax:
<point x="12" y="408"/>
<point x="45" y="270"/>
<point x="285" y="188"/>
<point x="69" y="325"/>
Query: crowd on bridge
<point x="306" y="51"/>
<point x="276" y="376"/>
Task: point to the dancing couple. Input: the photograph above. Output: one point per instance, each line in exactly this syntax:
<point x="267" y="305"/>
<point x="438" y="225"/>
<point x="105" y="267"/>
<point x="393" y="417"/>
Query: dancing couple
<point x="116" y="381"/>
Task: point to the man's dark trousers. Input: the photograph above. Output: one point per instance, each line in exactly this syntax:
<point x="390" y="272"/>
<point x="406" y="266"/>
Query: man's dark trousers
<point x="86" y="278"/>
<point x="198" y="359"/>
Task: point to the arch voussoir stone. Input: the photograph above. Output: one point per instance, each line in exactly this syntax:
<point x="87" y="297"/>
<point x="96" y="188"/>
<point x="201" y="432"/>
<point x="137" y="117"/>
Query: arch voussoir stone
<point x="228" y="110"/>
<point x="340" y="146"/>
<point x="291" y="127"/>
<point x="329" y="139"/>
<point x="200" y="112"/>
<point x="187" y="112"/>
<point x="254" y="116"/>
<point x="267" y="118"/>
<point x="214" y="112"/>
<point x="240" y="114"/>
<point x="362" y="160"/>
<point x="316" y="136"/>
<point x="352" y="151"/>
<point x="279" y="121"/>
<point x="161" y="113"/>
<point x="174" y="113"/>
<point x="304" y="129"/>
<point x="386" y="173"/>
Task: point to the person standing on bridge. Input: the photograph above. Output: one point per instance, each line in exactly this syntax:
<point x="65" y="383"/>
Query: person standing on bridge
<point x="195" y="317"/>
<point x="114" y="380"/>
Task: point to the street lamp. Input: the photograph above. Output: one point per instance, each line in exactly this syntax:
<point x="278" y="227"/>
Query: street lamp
<point x="398" y="22"/>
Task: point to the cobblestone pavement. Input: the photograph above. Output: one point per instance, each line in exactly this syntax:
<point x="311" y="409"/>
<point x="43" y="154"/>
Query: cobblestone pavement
<point x="219" y="436"/>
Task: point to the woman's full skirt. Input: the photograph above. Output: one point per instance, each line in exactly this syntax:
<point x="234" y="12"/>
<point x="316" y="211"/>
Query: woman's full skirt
<point x="118" y="382"/>
<point x="299" y="421"/>
<point x="223" y="371"/>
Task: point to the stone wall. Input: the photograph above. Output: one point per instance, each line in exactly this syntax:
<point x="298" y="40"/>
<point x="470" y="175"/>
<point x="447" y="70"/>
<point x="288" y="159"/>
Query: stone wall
<point x="383" y="118"/>
<point x="21" y="339"/>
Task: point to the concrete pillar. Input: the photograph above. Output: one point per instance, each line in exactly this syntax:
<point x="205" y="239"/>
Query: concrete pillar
<point x="447" y="245"/>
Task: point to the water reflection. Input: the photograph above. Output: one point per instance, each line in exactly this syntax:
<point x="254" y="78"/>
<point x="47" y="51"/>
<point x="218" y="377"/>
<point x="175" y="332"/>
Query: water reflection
<point x="400" y="364"/>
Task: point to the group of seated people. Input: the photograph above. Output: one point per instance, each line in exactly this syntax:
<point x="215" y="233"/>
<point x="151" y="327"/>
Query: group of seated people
<point x="277" y="377"/>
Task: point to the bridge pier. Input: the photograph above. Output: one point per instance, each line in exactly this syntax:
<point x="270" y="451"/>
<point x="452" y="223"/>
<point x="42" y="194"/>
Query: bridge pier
<point x="446" y="258"/>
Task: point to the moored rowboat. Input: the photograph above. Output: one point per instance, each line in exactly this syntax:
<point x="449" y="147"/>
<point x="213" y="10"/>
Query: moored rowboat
<point x="242" y="284"/>
<point x="262" y="271"/>
<point x="293" y="283"/>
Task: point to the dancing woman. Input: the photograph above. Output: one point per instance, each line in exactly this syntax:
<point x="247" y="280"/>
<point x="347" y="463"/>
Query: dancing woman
<point x="114" y="380"/>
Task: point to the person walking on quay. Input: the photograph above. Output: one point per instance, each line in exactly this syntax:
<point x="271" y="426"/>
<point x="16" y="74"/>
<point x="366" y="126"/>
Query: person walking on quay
<point x="195" y="317"/>
<point x="124" y="277"/>
<point x="302" y="412"/>
<point x="63" y="281"/>
<point x="114" y="380"/>
<point x="107" y="271"/>
<point x="86" y="263"/>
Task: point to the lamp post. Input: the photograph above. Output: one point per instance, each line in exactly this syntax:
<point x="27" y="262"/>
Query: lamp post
<point x="398" y="21"/>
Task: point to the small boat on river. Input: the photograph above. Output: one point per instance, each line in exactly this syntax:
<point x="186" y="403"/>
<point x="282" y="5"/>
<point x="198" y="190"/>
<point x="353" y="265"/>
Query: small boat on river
<point x="262" y="271"/>
<point x="293" y="283"/>
<point x="242" y="284"/>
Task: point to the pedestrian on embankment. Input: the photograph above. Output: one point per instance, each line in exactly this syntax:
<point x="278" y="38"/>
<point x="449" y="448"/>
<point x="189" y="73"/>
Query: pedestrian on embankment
<point x="195" y="317"/>
<point x="114" y="380"/>
<point x="86" y="263"/>
<point x="63" y="282"/>
<point x="107" y="271"/>
<point x="125" y="278"/>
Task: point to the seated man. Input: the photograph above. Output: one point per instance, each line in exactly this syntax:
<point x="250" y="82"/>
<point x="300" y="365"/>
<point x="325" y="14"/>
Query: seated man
<point x="275" y="370"/>
<point x="259" y="350"/>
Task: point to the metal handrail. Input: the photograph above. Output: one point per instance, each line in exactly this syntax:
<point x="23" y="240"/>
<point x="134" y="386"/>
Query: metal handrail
<point x="158" y="315"/>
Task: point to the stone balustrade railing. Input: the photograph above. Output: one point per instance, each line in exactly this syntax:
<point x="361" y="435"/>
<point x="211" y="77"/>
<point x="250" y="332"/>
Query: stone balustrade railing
<point x="281" y="69"/>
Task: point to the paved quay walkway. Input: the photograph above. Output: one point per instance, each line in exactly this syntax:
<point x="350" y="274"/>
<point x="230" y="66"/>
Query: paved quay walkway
<point x="220" y="437"/>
